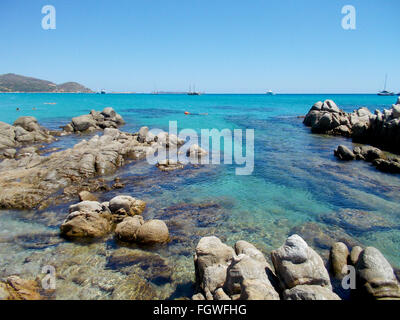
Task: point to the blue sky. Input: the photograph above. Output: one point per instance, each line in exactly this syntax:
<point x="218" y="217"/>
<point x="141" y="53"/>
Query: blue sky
<point x="289" y="46"/>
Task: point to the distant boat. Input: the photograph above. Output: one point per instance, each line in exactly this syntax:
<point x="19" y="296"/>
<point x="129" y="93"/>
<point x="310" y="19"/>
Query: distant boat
<point x="384" y="92"/>
<point x="270" y="93"/>
<point x="194" y="92"/>
<point x="103" y="91"/>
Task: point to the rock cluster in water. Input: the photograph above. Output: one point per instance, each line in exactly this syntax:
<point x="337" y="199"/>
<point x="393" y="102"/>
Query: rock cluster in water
<point x="91" y="219"/>
<point x="377" y="157"/>
<point x="242" y="273"/>
<point x="95" y="121"/>
<point x="24" y="131"/>
<point x="381" y="129"/>
<point x="32" y="181"/>
<point x="15" y="288"/>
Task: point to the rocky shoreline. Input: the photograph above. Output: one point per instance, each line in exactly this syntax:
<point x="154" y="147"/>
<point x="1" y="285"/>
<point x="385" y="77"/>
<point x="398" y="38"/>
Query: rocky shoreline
<point x="298" y="272"/>
<point x="30" y="180"/>
<point x="379" y="129"/>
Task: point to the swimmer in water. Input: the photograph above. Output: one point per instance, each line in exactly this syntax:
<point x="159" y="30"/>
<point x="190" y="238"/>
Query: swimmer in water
<point x="17" y="109"/>
<point x="195" y="114"/>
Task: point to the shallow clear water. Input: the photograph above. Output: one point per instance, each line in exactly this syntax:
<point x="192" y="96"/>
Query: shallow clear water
<point x="297" y="186"/>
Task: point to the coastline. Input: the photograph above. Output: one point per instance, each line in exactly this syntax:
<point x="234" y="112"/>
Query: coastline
<point x="124" y="256"/>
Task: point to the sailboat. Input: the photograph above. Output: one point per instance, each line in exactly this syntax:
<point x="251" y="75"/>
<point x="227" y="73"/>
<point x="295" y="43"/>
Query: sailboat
<point x="194" y="92"/>
<point x="384" y="92"/>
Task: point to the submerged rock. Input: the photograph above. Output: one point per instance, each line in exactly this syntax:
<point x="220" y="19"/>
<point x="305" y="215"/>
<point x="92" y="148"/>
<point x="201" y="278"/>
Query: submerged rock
<point x="357" y="221"/>
<point x="148" y="265"/>
<point x="15" y="288"/>
<point x="370" y="154"/>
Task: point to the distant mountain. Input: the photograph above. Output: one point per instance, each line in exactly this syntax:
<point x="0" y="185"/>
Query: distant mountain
<point x="11" y="82"/>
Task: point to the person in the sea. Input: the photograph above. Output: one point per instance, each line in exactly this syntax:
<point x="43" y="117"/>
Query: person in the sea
<point x="17" y="109"/>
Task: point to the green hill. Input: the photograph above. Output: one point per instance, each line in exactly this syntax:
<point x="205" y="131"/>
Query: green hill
<point x="11" y="82"/>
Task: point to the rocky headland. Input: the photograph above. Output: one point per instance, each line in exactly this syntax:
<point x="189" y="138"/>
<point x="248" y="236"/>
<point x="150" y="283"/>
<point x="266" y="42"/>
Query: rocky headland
<point x="295" y="271"/>
<point x="380" y="129"/>
<point x="29" y="180"/>
<point x="298" y="272"/>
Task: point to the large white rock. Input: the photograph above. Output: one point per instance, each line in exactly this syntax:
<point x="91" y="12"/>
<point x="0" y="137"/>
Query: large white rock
<point x="297" y="264"/>
<point x="375" y="275"/>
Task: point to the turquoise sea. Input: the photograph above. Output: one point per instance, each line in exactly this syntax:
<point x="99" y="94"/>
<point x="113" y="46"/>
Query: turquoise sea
<point x="297" y="186"/>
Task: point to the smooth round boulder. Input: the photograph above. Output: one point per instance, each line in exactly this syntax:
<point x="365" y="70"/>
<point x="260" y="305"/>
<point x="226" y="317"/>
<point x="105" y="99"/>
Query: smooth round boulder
<point x="126" y="204"/>
<point x="355" y="254"/>
<point x="93" y="206"/>
<point x="338" y="257"/>
<point x="296" y="264"/>
<point x="153" y="231"/>
<point x="127" y="229"/>
<point x="376" y="276"/>
<point x="86" y="224"/>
